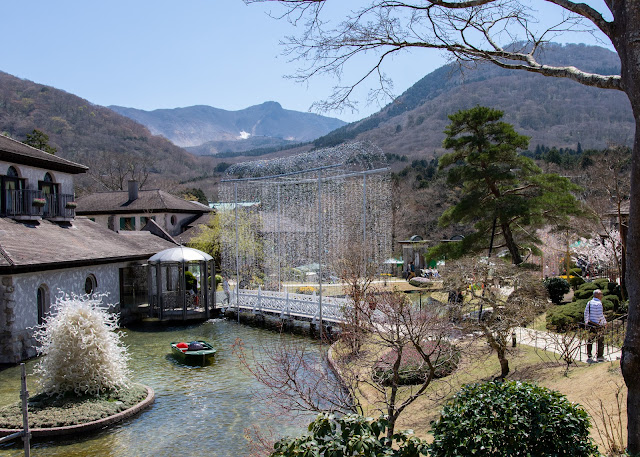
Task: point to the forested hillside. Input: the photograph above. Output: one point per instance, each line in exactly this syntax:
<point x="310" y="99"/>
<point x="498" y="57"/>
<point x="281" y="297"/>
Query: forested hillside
<point x="112" y="145"/>
<point x="553" y="112"/>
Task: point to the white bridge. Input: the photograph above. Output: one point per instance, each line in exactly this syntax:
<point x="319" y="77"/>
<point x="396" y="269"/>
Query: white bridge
<point x="289" y="306"/>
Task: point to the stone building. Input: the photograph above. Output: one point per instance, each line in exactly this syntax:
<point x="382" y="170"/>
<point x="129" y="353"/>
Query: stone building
<point x="45" y="250"/>
<point x="130" y="210"/>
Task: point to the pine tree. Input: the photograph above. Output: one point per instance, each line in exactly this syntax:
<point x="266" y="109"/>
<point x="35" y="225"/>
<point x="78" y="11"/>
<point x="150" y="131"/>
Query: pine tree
<point x="502" y="193"/>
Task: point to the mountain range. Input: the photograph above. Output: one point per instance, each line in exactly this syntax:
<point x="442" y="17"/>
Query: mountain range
<point x="205" y="130"/>
<point x="553" y="112"/>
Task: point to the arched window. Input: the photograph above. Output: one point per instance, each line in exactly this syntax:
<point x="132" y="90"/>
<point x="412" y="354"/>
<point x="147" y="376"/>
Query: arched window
<point x="47" y="177"/>
<point x="43" y="301"/>
<point x="90" y="284"/>
<point x="12" y="187"/>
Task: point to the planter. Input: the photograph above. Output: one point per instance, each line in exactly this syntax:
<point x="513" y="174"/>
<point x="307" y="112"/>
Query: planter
<point x="71" y="205"/>
<point x="39" y="202"/>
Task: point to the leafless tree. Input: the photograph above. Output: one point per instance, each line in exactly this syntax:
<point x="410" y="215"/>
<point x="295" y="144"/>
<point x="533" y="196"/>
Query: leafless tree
<point x="403" y="335"/>
<point x="501" y="297"/>
<point x="297" y="378"/>
<point x="507" y="33"/>
<point x="298" y="381"/>
<point x="608" y="190"/>
<point x="114" y="171"/>
<point x="357" y="276"/>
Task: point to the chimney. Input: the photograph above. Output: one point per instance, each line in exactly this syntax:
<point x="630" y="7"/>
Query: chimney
<point x="133" y="190"/>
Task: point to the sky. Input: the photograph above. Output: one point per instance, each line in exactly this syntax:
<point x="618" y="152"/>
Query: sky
<point x="151" y="54"/>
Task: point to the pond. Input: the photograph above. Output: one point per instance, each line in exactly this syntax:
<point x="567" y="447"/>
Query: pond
<point x="199" y="411"/>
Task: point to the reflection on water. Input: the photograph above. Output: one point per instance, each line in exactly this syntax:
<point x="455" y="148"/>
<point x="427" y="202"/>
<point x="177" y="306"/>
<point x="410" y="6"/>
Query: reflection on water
<point x="199" y="411"/>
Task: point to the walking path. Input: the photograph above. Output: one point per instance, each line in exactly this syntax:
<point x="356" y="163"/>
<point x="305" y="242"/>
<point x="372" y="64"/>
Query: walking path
<point x="559" y="343"/>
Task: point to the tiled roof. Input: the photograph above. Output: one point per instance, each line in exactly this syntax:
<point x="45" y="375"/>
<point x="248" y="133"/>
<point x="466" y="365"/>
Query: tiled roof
<point x="45" y="245"/>
<point x="17" y="152"/>
<point x="154" y="200"/>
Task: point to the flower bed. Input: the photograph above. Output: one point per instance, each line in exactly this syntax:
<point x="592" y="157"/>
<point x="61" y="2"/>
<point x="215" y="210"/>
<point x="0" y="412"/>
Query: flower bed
<point x="413" y="369"/>
<point x="48" y="411"/>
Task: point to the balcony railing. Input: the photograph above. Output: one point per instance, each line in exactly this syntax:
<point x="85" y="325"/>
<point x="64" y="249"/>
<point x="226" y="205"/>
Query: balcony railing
<point x="31" y="204"/>
<point x="57" y="206"/>
<point x="20" y="203"/>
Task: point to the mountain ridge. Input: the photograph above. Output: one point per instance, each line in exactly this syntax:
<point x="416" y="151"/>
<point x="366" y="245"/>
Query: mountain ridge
<point x="551" y="111"/>
<point x="207" y="130"/>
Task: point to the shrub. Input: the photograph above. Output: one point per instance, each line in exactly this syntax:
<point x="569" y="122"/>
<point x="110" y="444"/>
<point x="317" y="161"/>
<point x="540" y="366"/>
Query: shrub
<point x="350" y="434"/>
<point x="81" y="352"/>
<point x="585" y="291"/>
<point x="413" y="370"/>
<point x="306" y="290"/>
<point x="218" y="281"/>
<point x="557" y="288"/>
<point x="601" y="283"/>
<point x="614" y="300"/>
<point x="190" y="282"/>
<point x="564" y="317"/>
<point x="511" y="419"/>
<point x="575" y="280"/>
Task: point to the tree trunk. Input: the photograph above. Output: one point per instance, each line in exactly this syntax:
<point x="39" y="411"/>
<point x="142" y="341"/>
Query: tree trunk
<point x="627" y="43"/>
<point x="516" y="259"/>
<point x="504" y="364"/>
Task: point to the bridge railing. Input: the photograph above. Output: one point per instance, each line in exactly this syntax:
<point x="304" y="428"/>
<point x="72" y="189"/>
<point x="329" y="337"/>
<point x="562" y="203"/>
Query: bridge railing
<point x="287" y="304"/>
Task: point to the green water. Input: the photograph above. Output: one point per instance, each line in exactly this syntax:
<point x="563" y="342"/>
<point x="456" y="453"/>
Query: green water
<point x="199" y="411"/>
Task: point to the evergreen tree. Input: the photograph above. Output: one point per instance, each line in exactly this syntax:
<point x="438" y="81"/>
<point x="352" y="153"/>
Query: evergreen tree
<point x="39" y="140"/>
<point x="502" y="193"/>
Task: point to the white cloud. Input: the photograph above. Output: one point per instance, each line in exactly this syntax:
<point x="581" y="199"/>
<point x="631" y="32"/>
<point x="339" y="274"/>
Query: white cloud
<point x="244" y="135"/>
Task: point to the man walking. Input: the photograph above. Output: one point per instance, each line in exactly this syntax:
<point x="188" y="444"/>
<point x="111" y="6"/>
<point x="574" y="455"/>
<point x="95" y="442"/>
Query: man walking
<point x="595" y="321"/>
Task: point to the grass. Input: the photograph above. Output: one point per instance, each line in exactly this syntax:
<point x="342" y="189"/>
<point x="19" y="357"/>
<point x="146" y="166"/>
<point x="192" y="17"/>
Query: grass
<point x="589" y="385"/>
<point x="51" y="411"/>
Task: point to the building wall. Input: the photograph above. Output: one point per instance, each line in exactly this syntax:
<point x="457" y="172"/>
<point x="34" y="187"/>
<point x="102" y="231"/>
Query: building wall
<point x="19" y="308"/>
<point x="170" y="222"/>
<point x="35" y="174"/>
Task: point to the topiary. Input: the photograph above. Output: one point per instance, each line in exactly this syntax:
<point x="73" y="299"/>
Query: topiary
<point x="190" y="281"/>
<point x="511" y="419"/>
<point x="564" y="317"/>
<point x="557" y="288"/>
<point x="575" y="280"/>
<point x="601" y="283"/>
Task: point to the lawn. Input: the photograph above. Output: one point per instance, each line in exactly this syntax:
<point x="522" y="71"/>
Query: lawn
<point x="593" y="386"/>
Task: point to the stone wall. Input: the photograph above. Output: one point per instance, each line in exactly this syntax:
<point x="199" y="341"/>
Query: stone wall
<point x="19" y="307"/>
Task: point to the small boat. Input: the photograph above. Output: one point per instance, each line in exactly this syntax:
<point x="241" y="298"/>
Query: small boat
<point x="193" y="353"/>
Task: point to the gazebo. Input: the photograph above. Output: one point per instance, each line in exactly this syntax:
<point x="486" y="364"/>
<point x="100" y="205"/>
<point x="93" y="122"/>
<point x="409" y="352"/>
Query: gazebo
<point x="181" y="284"/>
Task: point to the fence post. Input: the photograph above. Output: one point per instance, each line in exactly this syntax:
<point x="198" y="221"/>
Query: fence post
<point x="24" y="396"/>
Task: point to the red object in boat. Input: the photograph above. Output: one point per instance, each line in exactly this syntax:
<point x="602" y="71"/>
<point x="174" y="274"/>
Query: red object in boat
<point x="182" y="345"/>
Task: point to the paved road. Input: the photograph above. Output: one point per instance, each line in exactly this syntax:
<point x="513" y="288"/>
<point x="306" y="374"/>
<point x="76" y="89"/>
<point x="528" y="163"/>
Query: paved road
<point x="559" y="343"/>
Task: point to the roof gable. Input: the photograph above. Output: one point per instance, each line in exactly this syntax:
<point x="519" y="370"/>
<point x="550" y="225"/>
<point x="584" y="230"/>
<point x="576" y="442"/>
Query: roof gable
<point x="16" y="152"/>
<point x="118" y="202"/>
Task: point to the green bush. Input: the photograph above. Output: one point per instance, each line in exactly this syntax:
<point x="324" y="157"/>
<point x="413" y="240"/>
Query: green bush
<point x="575" y="280"/>
<point x="614" y="300"/>
<point x="585" y="291"/>
<point x="190" y="281"/>
<point x="350" y="434"/>
<point x="602" y="283"/>
<point x="557" y="288"/>
<point x="563" y="317"/>
<point x="218" y="281"/>
<point x="413" y="370"/>
<point x="511" y="419"/>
